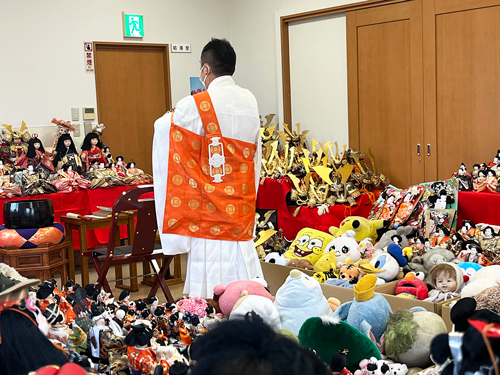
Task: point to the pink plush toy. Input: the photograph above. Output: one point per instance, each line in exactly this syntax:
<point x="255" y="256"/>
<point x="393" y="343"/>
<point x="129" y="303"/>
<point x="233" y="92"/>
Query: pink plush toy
<point x="227" y="296"/>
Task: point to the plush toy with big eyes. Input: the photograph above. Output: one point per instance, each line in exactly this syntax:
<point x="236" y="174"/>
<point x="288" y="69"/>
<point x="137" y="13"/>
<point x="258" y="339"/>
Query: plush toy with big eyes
<point x="345" y="247"/>
<point x="309" y="244"/>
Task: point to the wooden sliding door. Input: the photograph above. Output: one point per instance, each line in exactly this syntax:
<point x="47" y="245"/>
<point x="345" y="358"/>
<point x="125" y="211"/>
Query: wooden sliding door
<point x="462" y="83"/>
<point x="385" y="90"/>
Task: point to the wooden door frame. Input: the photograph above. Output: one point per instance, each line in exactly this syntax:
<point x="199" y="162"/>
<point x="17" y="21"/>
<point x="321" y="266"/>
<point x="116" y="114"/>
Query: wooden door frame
<point x="139" y="47"/>
<point x="285" y="42"/>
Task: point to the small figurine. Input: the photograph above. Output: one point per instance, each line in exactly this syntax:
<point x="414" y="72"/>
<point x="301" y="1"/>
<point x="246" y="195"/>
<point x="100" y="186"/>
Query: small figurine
<point x="441" y="238"/>
<point x="105" y="177"/>
<point x="491" y="180"/>
<point x="480" y="182"/>
<point x="33" y="183"/>
<point x="92" y="150"/>
<point x="138" y="175"/>
<point x="473" y="253"/>
<point x="464" y="178"/>
<point x="63" y="127"/>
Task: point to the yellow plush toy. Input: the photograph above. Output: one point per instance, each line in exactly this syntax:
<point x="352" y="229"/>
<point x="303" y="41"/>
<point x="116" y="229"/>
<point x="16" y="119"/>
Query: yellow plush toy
<point x="309" y="244"/>
<point x="327" y="261"/>
<point x="364" y="228"/>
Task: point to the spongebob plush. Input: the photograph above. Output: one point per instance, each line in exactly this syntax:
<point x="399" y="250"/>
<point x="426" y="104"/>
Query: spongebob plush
<point x="309" y="244"/>
<point x="364" y="228"/>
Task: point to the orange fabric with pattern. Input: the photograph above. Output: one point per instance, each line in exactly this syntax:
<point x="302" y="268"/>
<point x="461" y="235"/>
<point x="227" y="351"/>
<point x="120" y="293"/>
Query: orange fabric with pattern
<point x="211" y="181"/>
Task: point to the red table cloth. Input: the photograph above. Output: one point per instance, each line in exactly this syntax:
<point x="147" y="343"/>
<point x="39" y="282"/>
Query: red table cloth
<point x="272" y="196"/>
<point x="478" y="207"/>
<point x="83" y="202"/>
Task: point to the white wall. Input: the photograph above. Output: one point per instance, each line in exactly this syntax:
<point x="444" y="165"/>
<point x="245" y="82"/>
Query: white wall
<point x="318" y="79"/>
<point x="255" y="31"/>
<point x="42" y="68"/>
<point x="42" y="72"/>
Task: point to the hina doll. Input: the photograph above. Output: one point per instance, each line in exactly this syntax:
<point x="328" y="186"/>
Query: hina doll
<point x="480" y="181"/>
<point x="474" y="254"/>
<point x="73" y="337"/>
<point x="142" y="359"/>
<point x="70" y="181"/>
<point x="105" y="177"/>
<point x="405" y="209"/>
<point x="464" y="178"/>
<point x="118" y="171"/>
<point x="120" y="164"/>
<point x="66" y="154"/>
<point x="441" y="238"/>
<point x="109" y="157"/>
<point x="475" y="171"/>
<point x="491" y="180"/>
<point x="36" y="156"/>
<point x="138" y="175"/>
<point x="33" y="183"/>
<point x="92" y="150"/>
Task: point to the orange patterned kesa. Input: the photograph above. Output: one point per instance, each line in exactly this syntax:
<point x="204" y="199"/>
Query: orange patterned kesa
<point x="211" y="181"/>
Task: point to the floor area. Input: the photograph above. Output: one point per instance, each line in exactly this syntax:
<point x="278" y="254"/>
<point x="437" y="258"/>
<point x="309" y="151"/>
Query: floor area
<point x="176" y="289"/>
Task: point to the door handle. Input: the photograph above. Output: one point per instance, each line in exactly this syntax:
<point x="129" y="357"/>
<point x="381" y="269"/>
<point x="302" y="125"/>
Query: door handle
<point x="428" y="149"/>
<point x="418" y="149"/>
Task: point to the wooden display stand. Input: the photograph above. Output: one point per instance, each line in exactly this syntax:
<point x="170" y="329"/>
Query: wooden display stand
<point x="41" y="262"/>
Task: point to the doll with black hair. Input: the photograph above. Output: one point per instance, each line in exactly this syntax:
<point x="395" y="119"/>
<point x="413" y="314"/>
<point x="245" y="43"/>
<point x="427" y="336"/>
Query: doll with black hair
<point x="69" y="180"/>
<point x="142" y="359"/>
<point x="474" y="253"/>
<point x="489" y="242"/>
<point x="25" y="347"/>
<point x="37" y="157"/>
<point x="464" y="178"/>
<point x="138" y="176"/>
<point x="491" y="180"/>
<point x="66" y="154"/>
<point x="75" y="338"/>
<point x="441" y="238"/>
<point x="456" y="243"/>
<point x="105" y="177"/>
<point x="33" y="183"/>
<point x="468" y="229"/>
<point x="92" y="150"/>
<point x="480" y="181"/>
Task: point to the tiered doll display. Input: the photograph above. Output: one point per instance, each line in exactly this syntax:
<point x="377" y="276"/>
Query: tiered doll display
<point x="27" y="168"/>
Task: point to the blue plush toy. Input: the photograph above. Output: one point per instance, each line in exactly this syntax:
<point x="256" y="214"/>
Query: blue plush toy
<point x="369" y="311"/>
<point x="470" y="269"/>
<point x="299" y="299"/>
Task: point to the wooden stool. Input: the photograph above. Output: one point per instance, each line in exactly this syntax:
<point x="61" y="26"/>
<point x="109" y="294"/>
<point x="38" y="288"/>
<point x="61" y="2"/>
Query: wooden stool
<point x="41" y="262"/>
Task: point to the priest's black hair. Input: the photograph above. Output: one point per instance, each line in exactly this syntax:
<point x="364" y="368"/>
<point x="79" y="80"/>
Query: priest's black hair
<point x="220" y="56"/>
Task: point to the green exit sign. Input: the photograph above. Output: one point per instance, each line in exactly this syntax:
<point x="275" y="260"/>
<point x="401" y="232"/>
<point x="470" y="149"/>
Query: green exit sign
<point x="133" y="25"/>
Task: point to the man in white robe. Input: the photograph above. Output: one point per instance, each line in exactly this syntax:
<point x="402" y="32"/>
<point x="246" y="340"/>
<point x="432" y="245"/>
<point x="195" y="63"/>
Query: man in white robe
<point x="210" y="262"/>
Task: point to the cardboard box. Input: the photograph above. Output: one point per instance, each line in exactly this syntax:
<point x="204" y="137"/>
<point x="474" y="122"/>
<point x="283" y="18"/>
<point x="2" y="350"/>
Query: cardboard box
<point x="446" y="315"/>
<point x="405" y="303"/>
<point x="275" y="275"/>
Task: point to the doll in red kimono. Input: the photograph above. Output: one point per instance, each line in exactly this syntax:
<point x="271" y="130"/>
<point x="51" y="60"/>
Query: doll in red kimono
<point x="92" y="150"/>
<point x="36" y="156"/>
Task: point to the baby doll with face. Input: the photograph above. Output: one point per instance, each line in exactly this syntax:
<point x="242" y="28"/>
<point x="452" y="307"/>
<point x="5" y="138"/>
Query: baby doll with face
<point x="447" y="279"/>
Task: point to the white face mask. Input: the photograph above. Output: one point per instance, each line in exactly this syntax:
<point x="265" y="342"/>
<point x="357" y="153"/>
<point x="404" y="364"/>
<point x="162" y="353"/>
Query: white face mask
<point x="204" y="79"/>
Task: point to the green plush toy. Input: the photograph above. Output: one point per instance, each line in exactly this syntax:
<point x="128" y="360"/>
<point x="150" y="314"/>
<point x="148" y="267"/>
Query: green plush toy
<point x="329" y="335"/>
<point x="364" y="228"/>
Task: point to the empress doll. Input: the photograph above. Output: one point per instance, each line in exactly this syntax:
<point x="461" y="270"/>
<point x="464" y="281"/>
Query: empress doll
<point x="480" y="181"/>
<point x="34" y="183"/>
<point x="105" y="177"/>
<point x="69" y="180"/>
<point x="441" y="238"/>
<point x="92" y="150"/>
<point x="491" y="180"/>
<point x="66" y="154"/>
<point x="138" y="174"/>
